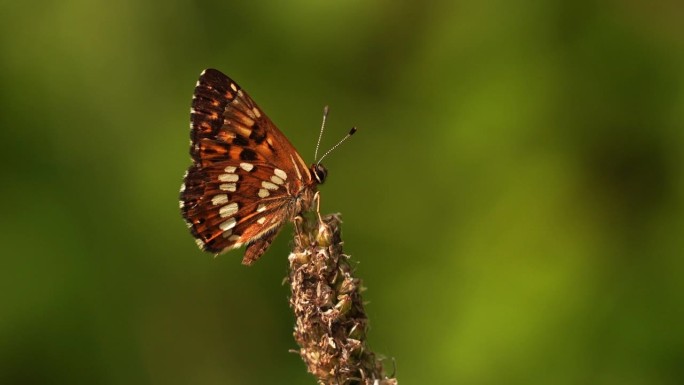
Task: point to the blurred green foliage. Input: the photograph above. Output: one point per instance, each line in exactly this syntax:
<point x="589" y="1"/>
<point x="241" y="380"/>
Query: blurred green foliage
<point x="514" y="194"/>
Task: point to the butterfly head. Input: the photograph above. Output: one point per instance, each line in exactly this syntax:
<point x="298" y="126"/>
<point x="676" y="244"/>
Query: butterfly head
<point x="319" y="172"/>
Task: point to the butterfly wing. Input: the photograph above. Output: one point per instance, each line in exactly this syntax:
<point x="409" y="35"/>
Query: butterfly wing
<point x="222" y="111"/>
<point x="245" y="174"/>
<point x="219" y="207"/>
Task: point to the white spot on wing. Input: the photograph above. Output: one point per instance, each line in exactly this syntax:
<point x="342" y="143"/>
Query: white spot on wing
<point x="228" y="210"/>
<point x="276" y="180"/>
<point x="246" y="166"/>
<point x="263" y="193"/>
<point x="261" y="207"/>
<point x="219" y="199"/>
<point x="280" y="173"/>
<point x="228" y="177"/>
<point x="269" y="185"/>
<point x="234" y="238"/>
<point x="256" y="111"/>
<point x="233" y="87"/>
<point x="228" y="187"/>
<point x="182" y="187"/>
<point x="230" y="169"/>
<point x="199" y="243"/>
<point x="227" y="225"/>
<point x="261" y="220"/>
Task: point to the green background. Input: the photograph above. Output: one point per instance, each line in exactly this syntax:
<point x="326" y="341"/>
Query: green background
<point x="514" y="194"/>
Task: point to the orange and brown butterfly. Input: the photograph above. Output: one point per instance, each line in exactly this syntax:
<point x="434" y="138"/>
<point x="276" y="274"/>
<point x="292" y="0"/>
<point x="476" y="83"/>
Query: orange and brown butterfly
<point x="246" y="179"/>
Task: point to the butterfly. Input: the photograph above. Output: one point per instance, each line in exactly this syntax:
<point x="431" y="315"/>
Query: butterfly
<point x="246" y="179"/>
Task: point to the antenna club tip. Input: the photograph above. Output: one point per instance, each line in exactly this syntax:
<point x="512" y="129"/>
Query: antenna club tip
<point x="326" y="109"/>
<point x="352" y="131"/>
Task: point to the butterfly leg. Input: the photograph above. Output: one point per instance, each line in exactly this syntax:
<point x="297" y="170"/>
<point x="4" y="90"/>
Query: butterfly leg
<point x="317" y="198"/>
<point x="297" y="221"/>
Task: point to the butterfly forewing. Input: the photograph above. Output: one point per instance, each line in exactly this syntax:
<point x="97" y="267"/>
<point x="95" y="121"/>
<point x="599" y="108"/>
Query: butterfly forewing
<point x="246" y="179"/>
<point x="222" y="111"/>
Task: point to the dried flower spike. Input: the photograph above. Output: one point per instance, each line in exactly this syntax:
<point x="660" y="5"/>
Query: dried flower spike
<point x="331" y="323"/>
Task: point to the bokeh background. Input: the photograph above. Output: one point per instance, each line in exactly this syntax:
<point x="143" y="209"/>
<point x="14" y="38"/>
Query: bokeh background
<point x="514" y="195"/>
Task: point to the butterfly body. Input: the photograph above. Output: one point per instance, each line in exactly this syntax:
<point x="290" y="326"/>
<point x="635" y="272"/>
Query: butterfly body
<point x="246" y="180"/>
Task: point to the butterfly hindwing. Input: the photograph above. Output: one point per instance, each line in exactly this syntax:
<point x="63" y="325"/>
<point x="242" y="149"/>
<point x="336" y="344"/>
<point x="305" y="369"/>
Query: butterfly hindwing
<point x="228" y="204"/>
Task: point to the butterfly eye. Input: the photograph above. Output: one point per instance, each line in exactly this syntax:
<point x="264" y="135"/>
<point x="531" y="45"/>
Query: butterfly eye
<point x="319" y="172"/>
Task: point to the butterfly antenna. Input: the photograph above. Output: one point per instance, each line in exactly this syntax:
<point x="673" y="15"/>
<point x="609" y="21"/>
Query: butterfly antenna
<point x="320" y="135"/>
<point x="351" y="132"/>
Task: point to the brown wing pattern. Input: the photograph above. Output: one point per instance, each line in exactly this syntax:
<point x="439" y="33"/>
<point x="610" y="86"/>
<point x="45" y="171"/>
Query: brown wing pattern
<point x="220" y="209"/>
<point x="223" y="112"/>
<point x="245" y="176"/>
